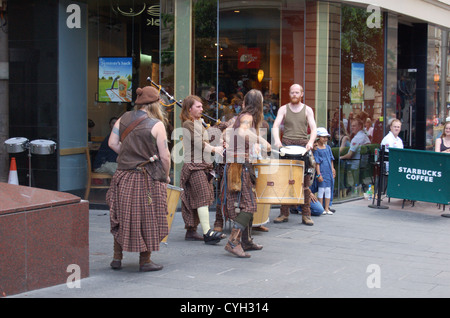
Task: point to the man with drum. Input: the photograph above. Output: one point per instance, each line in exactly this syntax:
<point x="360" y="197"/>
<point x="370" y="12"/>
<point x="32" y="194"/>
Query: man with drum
<point x="297" y="117"/>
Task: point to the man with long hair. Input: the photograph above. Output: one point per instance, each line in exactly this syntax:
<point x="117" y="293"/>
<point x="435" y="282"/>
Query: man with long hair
<point x="137" y="197"/>
<point x="240" y="204"/>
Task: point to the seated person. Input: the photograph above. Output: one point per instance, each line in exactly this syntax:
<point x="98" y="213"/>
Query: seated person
<point x="106" y="158"/>
<point x="443" y="143"/>
<point x="360" y="138"/>
<point x="354" y="153"/>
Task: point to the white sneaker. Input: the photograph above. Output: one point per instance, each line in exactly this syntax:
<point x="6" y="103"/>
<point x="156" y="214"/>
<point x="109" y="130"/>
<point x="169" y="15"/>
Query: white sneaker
<point x="328" y="212"/>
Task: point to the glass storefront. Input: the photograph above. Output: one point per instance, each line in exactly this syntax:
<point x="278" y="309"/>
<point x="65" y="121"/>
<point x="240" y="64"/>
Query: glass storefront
<point x="353" y="61"/>
<point x="438" y="104"/>
<point x="344" y="56"/>
<point x="328" y="48"/>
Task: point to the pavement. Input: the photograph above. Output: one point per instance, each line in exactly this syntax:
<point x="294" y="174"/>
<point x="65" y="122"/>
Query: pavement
<point x="359" y="252"/>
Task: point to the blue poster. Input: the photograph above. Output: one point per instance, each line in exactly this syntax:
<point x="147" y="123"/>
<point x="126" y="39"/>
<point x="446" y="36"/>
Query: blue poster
<point x="114" y="79"/>
<point x="357" y="90"/>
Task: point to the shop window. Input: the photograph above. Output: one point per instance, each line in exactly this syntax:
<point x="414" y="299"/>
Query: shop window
<point x="362" y="81"/>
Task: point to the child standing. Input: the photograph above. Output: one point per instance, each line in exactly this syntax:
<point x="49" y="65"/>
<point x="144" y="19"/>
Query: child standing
<point x="325" y="172"/>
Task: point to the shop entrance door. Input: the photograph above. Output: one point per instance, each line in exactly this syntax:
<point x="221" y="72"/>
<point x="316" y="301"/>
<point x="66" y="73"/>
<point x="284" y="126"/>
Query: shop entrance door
<point x="406" y="104"/>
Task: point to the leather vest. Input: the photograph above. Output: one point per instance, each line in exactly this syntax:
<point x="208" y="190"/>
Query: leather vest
<point x="139" y="146"/>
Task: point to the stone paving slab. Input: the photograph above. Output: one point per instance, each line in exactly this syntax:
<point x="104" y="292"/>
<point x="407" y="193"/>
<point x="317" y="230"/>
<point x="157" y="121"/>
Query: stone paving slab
<point x="359" y="252"/>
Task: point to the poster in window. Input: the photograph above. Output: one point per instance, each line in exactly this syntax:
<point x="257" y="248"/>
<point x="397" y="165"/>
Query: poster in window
<point x="357" y="92"/>
<point x="114" y="79"/>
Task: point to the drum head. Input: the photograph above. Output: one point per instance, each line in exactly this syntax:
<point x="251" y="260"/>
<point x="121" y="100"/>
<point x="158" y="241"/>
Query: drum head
<point x="293" y="150"/>
<point x="42" y="143"/>
<point x="16" y="141"/>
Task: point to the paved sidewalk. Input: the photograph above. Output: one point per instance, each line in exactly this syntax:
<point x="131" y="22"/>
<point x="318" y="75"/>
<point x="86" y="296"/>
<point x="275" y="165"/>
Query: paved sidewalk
<point x="358" y="252"/>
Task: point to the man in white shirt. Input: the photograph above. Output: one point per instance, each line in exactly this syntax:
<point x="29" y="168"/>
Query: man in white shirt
<point x="392" y="140"/>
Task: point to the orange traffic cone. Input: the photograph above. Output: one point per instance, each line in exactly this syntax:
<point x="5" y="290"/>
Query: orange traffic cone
<point x="13" y="178"/>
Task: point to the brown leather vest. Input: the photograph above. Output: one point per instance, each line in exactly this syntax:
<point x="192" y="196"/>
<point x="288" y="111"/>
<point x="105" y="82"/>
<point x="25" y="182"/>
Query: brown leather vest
<point x="139" y="146"/>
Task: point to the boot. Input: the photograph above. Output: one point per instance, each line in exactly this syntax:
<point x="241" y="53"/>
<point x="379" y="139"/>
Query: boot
<point x="284" y="215"/>
<point x="192" y="235"/>
<point x="281" y="219"/>
<point x="234" y="244"/>
<point x="146" y="265"/>
<point x="117" y="258"/>
<point x="306" y="219"/>
<point x="247" y="240"/>
<point x="306" y="209"/>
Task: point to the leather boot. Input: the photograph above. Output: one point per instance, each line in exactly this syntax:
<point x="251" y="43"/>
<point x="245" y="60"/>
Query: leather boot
<point x="192" y="235"/>
<point x="146" y="265"/>
<point x="234" y="244"/>
<point x="118" y="255"/>
<point x="281" y="219"/>
<point x="284" y="215"/>
<point x="247" y="240"/>
<point x="306" y="209"/>
<point x="306" y="219"/>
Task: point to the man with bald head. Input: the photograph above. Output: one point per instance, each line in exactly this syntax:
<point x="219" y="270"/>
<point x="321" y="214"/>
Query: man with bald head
<point x="296" y="117"/>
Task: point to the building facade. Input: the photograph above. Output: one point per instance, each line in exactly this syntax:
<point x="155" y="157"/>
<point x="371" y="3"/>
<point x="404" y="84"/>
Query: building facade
<point x="60" y="68"/>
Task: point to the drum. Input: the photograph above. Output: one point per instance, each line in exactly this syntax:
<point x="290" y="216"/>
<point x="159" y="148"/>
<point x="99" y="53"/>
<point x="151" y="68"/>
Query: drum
<point x="298" y="153"/>
<point x="173" y="196"/>
<point x="261" y="216"/>
<point x="16" y="144"/>
<point x="279" y="181"/>
<point x="42" y="147"/>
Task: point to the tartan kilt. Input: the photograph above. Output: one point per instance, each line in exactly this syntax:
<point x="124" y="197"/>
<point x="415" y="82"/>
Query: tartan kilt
<point x="247" y="201"/>
<point x="137" y="225"/>
<point x="198" y="191"/>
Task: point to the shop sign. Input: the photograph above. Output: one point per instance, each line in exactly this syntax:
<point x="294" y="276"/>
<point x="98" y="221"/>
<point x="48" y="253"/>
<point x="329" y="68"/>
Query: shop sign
<point x="419" y="175"/>
<point x="249" y="58"/>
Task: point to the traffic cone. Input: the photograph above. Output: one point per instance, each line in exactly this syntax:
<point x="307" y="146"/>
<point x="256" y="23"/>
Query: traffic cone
<point x="13" y="178"/>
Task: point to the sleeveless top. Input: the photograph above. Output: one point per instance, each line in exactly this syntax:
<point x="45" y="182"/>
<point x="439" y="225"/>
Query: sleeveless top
<point x="295" y="124"/>
<point x="139" y="146"/>
<point x="443" y="147"/>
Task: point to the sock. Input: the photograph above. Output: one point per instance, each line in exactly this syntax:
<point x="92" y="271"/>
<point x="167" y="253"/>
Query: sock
<point x="203" y="216"/>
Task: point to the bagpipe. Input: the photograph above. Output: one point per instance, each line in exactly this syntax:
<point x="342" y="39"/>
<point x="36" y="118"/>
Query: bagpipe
<point x="171" y="98"/>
